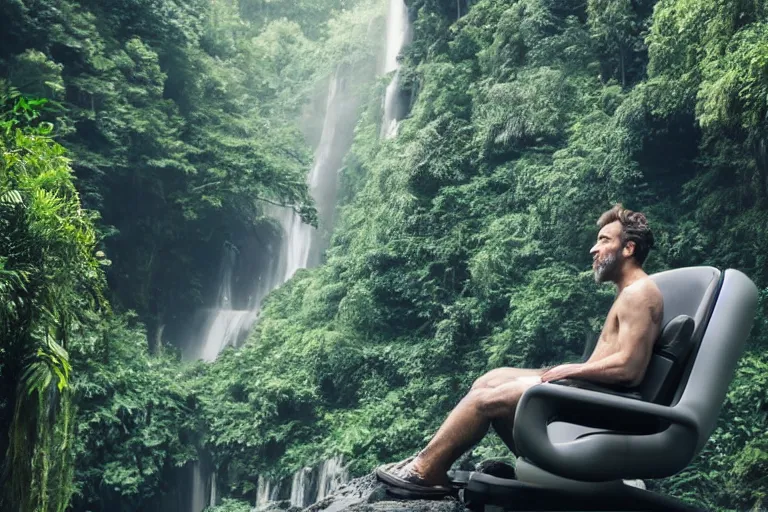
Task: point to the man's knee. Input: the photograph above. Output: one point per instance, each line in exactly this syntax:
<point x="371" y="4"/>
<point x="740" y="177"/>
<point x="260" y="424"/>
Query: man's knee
<point x="480" y="383"/>
<point x="484" y="380"/>
<point x="499" y="376"/>
<point x="490" y="403"/>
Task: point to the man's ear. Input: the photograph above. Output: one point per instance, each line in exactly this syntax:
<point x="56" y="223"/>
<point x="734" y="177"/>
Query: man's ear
<point x="629" y="249"/>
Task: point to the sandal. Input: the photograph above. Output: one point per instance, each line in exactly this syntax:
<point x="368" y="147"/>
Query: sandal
<point x="407" y="484"/>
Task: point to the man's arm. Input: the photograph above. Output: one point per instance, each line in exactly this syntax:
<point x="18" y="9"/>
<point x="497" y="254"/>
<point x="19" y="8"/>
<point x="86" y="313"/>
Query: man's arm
<point x="638" y="330"/>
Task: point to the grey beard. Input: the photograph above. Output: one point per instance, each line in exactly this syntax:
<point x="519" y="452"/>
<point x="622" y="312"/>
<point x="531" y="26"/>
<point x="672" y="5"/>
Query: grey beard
<point x="606" y="268"/>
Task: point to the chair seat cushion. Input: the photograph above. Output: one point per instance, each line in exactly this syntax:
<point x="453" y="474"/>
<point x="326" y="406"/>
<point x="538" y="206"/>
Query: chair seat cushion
<point x="563" y="432"/>
<point x="611" y="389"/>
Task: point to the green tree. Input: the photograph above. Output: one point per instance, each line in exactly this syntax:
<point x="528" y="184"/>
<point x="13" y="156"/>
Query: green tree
<point x="49" y="274"/>
<point x="613" y="26"/>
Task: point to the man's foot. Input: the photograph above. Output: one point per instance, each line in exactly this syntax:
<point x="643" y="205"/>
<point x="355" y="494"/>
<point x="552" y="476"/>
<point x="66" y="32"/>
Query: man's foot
<point x="405" y="475"/>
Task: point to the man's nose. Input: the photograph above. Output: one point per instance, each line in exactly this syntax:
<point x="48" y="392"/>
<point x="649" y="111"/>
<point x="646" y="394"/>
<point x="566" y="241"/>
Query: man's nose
<point x="593" y="250"/>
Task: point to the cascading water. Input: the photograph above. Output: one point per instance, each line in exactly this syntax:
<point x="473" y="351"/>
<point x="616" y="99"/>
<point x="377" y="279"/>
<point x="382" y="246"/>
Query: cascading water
<point x="197" y="497"/>
<point x="212" y="502"/>
<point x="333" y="474"/>
<point x="303" y="244"/>
<point x="266" y="491"/>
<point x="227" y="324"/>
<point x="307" y="485"/>
<point x="301" y="488"/>
<point x="397" y="26"/>
<point x="397" y="33"/>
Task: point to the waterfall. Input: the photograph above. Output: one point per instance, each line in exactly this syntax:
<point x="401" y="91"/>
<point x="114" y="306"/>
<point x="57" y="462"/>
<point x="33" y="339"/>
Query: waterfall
<point x="397" y="27"/>
<point x="397" y="33"/>
<point x="263" y="491"/>
<point x="303" y="245"/>
<point x="391" y="107"/>
<point x="227" y="324"/>
<point x="308" y="485"/>
<point x="333" y="474"/>
<point x="159" y="338"/>
<point x="266" y="491"/>
<point x="301" y="488"/>
<point x="197" y="497"/>
<point x="213" y="490"/>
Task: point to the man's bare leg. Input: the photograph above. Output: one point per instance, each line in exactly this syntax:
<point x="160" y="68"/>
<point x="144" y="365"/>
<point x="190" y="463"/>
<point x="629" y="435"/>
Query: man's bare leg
<point x="503" y="425"/>
<point x="501" y="376"/>
<point x="503" y="428"/>
<point x="467" y="424"/>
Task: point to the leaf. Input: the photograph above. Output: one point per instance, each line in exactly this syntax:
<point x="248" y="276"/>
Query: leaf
<point x="11" y="197"/>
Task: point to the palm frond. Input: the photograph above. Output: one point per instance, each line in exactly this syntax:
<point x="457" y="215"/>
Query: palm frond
<point x="12" y="198"/>
<point x="49" y="363"/>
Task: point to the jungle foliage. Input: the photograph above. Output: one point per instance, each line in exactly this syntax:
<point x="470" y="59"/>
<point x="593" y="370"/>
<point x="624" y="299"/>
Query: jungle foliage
<point x="48" y="274"/>
<point x="460" y="246"/>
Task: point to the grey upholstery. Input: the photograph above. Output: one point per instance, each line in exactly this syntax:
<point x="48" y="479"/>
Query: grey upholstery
<point x="676" y="337"/>
<point x="668" y="361"/>
<point x="587" y="436"/>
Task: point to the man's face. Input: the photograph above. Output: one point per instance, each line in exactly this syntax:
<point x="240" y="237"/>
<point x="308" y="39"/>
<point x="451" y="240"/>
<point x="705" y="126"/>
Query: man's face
<point x="607" y="255"/>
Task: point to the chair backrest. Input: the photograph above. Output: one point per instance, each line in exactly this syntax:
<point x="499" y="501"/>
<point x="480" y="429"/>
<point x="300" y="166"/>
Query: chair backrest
<point x="687" y="292"/>
<point x="723" y="306"/>
<point x="723" y="334"/>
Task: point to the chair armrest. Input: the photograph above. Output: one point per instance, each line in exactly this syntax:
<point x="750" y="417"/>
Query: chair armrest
<point x="570" y="403"/>
<point x="641" y="433"/>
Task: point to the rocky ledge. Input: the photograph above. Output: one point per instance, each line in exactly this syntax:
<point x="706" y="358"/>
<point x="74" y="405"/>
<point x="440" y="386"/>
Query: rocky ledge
<point x="366" y="494"/>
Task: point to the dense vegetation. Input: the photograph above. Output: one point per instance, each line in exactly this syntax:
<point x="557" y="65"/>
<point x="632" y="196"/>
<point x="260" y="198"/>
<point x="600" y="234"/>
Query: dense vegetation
<point x="461" y="245"/>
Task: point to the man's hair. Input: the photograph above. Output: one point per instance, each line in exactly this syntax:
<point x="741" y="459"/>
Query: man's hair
<point x="634" y="228"/>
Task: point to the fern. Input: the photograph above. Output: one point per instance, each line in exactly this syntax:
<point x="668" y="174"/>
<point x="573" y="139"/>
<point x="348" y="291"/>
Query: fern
<point x="11" y="198"/>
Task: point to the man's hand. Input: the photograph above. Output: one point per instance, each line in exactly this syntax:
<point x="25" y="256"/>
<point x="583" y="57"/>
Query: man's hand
<point x="560" y="372"/>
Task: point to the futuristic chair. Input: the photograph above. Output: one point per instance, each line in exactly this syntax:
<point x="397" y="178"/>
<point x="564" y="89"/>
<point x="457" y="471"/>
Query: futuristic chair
<point x="576" y="445"/>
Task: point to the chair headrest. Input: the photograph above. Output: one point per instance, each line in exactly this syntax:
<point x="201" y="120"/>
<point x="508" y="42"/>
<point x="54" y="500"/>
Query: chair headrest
<point x="675" y="338"/>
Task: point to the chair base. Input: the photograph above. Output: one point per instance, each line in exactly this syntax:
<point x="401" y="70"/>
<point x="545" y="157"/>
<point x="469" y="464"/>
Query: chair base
<point x="486" y="493"/>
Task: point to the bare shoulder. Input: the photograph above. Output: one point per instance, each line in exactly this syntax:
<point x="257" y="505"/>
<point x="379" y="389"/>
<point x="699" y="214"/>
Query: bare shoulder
<point x="643" y="296"/>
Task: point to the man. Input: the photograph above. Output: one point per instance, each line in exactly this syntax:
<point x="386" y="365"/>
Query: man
<point x="620" y="357"/>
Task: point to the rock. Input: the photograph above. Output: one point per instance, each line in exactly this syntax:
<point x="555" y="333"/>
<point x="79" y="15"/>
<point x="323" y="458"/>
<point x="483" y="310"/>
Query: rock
<point x="277" y="506"/>
<point x="366" y="494"/>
